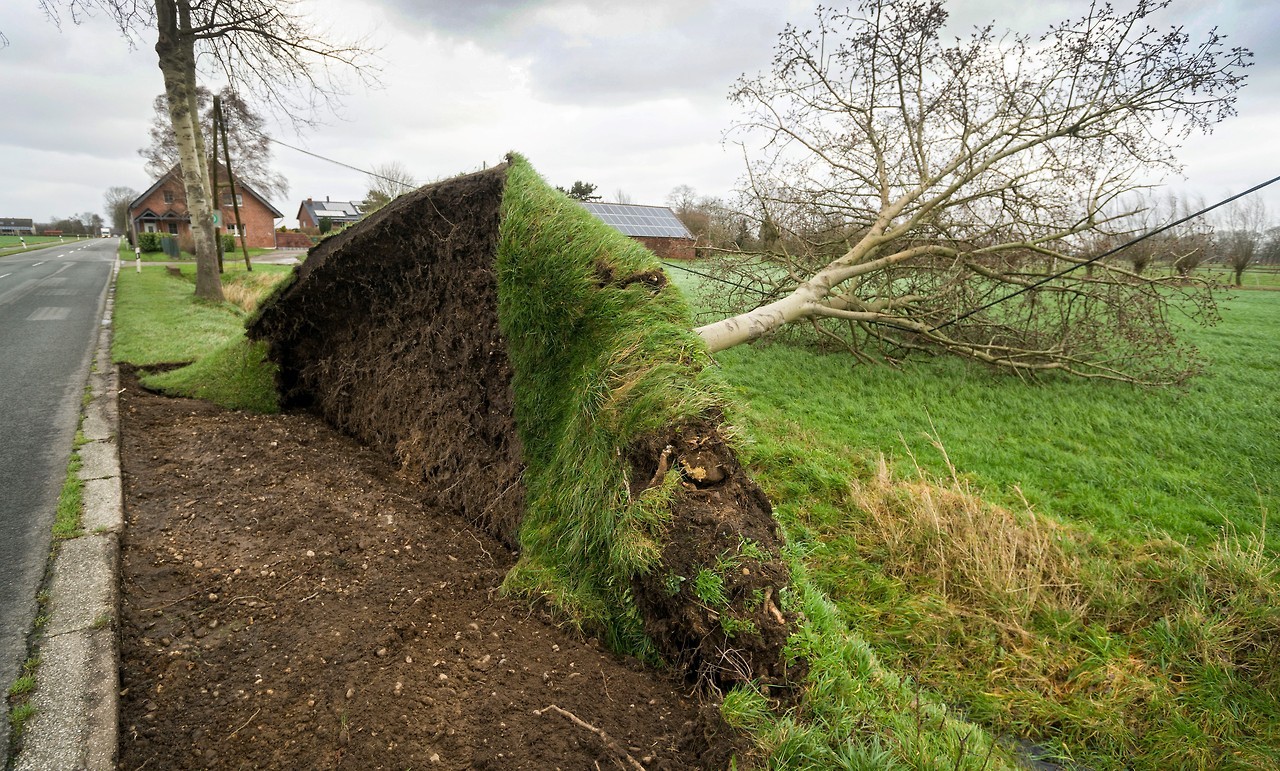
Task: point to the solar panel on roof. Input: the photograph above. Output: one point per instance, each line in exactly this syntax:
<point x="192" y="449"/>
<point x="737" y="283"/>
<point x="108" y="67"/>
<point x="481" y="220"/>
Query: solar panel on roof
<point x="631" y="220"/>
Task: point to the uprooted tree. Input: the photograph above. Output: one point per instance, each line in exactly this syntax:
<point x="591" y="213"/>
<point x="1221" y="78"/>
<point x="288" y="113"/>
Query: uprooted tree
<point x="905" y="182"/>
<point x="263" y="47"/>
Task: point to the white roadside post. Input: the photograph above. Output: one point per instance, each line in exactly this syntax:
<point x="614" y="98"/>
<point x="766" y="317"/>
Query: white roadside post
<point x="137" y="252"/>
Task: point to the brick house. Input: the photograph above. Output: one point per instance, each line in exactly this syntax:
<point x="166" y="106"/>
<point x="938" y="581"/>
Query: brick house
<point x="163" y="209"/>
<point x="654" y="226"/>
<point x="337" y="212"/>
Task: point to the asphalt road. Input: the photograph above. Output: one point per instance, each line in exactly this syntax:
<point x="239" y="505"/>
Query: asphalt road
<point x="50" y="308"/>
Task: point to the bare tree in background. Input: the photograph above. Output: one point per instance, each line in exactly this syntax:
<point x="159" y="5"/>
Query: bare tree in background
<point x="264" y="48"/>
<point x="387" y="182"/>
<point x="250" y="148"/>
<point x="715" y="226"/>
<point x="1242" y="234"/>
<point x="912" y="181"/>
<point x="117" y="200"/>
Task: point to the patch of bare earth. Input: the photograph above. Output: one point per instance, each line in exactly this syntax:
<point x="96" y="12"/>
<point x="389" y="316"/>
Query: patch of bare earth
<point x="288" y="602"/>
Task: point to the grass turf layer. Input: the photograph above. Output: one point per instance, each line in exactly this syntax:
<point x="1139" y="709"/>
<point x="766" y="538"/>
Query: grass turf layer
<point x="615" y="399"/>
<point x="598" y="368"/>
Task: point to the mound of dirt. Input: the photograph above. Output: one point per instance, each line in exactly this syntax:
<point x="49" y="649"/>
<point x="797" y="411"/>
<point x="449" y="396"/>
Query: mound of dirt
<point x="288" y="602"/>
<point x="712" y="606"/>
<point x="391" y="330"/>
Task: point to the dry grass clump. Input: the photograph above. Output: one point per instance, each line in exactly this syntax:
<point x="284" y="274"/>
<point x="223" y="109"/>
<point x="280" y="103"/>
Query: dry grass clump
<point x="978" y="555"/>
<point x="1114" y="652"/>
<point x="246" y="290"/>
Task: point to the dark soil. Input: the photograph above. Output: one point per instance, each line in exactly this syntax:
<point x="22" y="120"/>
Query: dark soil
<point x="716" y="513"/>
<point x="288" y="602"/>
<point x="391" y="332"/>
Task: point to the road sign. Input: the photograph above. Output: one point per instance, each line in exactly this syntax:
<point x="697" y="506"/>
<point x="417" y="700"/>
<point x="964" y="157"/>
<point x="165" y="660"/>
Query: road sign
<point x="217" y="219"/>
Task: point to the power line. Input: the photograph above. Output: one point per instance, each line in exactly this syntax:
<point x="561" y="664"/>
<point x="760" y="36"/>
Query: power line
<point x="329" y="160"/>
<point x="1107" y="253"/>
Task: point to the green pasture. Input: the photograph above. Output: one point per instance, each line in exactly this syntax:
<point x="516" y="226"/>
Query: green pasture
<point x="11" y="241"/>
<point x="1083" y="566"/>
<point x="1254" y="277"/>
<point x="1187" y="463"/>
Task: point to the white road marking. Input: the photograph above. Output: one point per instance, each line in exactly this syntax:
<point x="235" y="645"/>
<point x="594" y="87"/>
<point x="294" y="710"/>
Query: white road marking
<point x="18" y="291"/>
<point x="38" y="264"/>
<point x="6" y="275"/>
<point x="49" y="314"/>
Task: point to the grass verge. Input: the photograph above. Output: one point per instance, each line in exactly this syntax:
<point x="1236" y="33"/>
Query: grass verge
<point x="159" y="322"/>
<point x="66" y="522"/>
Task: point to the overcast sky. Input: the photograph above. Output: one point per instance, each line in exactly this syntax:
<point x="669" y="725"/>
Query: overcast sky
<point x="627" y="95"/>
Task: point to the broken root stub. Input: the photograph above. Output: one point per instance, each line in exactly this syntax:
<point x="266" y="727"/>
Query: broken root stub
<point x="713" y="602"/>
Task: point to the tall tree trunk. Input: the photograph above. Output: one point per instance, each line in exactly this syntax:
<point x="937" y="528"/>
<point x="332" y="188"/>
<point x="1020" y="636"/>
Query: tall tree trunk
<point x="176" y="52"/>
<point x="1239" y="276"/>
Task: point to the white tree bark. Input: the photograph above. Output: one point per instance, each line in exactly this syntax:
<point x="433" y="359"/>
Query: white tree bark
<point x="176" y="53"/>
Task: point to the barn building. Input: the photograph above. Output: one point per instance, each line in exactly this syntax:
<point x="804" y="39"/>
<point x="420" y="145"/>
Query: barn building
<point x="657" y="227"/>
<point x="337" y="212"/>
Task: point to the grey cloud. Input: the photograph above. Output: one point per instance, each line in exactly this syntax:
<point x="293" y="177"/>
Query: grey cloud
<point x="688" y="47"/>
<point x="471" y="19"/>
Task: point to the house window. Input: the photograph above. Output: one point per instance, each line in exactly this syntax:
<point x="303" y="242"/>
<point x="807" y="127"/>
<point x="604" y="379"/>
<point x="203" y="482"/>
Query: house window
<point x="148" y="227"/>
<point x="234" y="229"/>
<point x="168" y="196"/>
<point x="173" y="228"/>
<point x="226" y="199"/>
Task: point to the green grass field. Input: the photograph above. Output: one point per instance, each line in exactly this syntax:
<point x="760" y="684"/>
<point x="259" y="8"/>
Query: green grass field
<point x="1083" y="565"/>
<point x="1126" y="460"/>
<point x="1256" y="276"/>
<point x="11" y="245"/>
<point x="11" y="241"/>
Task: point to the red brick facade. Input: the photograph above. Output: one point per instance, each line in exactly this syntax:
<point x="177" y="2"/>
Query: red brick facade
<point x="668" y="248"/>
<point x="293" y="241"/>
<point x="163" y="208"/>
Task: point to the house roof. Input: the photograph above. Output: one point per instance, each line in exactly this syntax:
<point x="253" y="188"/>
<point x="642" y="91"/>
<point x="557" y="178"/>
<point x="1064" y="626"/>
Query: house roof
<point x="241" y="188"/>
<point x="635" y="220"/>
<point x="15" y="222"/>
<point x="337" y="211"/>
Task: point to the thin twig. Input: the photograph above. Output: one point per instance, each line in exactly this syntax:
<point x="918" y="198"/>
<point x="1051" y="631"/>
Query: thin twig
<point x="247" y="722"/>
<point x="175" y="602"/>
<point x="604" y="737"/>
<point x="478" y="543"/>
<point x="291" y="580"/>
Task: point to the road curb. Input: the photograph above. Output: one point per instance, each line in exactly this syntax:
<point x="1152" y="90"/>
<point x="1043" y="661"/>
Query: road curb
<point x="76" y="698"/>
